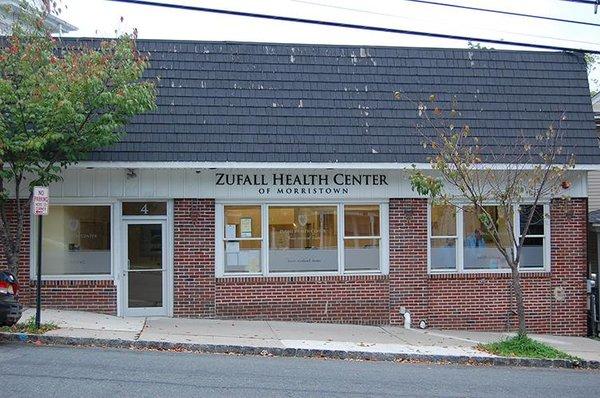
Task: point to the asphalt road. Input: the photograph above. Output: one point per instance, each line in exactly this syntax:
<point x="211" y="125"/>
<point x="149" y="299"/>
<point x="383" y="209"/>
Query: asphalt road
<point x="28" y="371"/>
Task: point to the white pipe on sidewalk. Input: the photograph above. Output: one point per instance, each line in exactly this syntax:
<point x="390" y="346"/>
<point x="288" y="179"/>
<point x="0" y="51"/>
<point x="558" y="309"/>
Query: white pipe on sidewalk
<point x="407" y="320"/>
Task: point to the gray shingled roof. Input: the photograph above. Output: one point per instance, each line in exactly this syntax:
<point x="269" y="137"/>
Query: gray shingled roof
<point x="594" y="217"/>
<point x="249" y="102"/>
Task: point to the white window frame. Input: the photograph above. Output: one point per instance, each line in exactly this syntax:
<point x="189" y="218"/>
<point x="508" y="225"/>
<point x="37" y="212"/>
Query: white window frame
<point x="545" y="236"/>
<point x="265" y="272"/>
<point x="115" y="217"/>
<point x="457" y="237"/>
<point x="459" y="268"/>
<point x="223" y="241"/>
<point x="342" y="232"/>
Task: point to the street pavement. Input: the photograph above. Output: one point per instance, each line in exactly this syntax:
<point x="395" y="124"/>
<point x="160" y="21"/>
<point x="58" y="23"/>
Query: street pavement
<point x="30" y="371"/>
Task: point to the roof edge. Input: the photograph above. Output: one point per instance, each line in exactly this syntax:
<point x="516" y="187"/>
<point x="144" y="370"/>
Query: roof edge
<point x="287" y="165"/>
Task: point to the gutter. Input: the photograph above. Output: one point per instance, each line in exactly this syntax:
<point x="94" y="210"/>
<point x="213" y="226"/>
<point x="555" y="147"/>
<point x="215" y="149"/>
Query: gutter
<point x="290" y="165"/>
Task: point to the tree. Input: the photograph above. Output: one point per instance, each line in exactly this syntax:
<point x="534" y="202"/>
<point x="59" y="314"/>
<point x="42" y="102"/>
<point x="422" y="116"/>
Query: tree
<point x="535" y="170"/>
<point x="591" y="62"/>
<point x="58" y="102"/>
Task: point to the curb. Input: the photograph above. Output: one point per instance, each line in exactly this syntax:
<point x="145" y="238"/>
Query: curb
<point x="26" y="338"/>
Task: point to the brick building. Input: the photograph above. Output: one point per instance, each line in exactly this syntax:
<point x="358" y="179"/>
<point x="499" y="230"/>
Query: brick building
<point x="272" y="183"/>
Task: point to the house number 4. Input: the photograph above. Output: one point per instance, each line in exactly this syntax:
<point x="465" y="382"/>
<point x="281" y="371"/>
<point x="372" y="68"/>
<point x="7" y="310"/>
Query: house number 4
<point x="144" y="209"/>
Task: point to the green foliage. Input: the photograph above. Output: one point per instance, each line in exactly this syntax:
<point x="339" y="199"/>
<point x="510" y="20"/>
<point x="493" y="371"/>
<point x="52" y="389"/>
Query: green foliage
<point x="58" y="105"/>
<point x="591" y="62"/>
<point x="59" y="102"/>
<point x="425" y="185"/>
<point x="29" y="327"/>
<point x="524" y="347"/>
<point x="477" y="46"/>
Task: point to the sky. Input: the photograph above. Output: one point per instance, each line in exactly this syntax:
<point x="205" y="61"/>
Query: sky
<point x="105" y="18"/>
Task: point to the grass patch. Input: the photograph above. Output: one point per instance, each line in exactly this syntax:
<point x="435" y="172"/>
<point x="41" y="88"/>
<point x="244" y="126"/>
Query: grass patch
<point x="525" y="347"/>
<point x="29" y="327"/>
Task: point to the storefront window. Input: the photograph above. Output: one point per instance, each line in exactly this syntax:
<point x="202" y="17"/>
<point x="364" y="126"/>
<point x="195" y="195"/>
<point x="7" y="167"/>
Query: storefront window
<point x="361" y="237"/>
<point x="480" y="252"/>
<point x="303" y="238"/>
<point x="243" y="239"/>
<point x="532" y="252"/>
<point x="76" y="241"/>
<point x="443" y="237"/>
<point x="465" y="228"/>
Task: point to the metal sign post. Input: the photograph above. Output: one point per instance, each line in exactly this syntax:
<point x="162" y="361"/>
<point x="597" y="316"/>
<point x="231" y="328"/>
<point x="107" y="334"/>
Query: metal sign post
<point x="40" y="208"/>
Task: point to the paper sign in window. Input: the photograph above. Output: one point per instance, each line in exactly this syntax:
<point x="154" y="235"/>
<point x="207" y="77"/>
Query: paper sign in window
<point x="230" y="231"/>
<point x="245" y="227"/>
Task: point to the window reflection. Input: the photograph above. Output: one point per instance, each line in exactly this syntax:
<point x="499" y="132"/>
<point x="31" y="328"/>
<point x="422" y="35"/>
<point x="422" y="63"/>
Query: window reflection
<point x="303" y="238"/>
<point x="480" y="251"/>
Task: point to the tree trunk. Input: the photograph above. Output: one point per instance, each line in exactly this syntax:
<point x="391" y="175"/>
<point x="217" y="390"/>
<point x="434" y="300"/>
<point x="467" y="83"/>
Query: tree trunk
<point x="518" y="289"/>
<point x="12" y="262"/>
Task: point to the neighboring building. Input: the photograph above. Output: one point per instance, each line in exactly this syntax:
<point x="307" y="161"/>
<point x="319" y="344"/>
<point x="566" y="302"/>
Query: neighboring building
<point x="594" y="200"/>
<point x="9" y="9"/>
<point x="272" y="183"/>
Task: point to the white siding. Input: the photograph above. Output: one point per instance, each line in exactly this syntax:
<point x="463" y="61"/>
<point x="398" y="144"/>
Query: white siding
<point x="191" y="183"/>
<point x="594" y="190"/>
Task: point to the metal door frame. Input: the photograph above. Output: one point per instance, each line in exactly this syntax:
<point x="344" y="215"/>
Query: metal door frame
<point x="167" y="268"/>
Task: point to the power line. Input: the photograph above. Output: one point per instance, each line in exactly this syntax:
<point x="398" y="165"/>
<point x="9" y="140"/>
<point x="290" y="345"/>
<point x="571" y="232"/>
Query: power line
<point x="351" y="26"/>
<point x="314" y="3"/>
<point x="518" y="14"/>
<point x="590" y="2"/>
<point x="594" y="3"/>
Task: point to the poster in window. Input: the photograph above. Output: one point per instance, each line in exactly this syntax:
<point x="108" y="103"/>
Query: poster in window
<point x="230" y="231"/>
<point x="245" y="227"/>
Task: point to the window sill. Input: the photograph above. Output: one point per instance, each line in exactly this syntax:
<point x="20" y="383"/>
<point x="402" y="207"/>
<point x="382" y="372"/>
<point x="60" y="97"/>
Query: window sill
<point x="491" y="274"/>
<point x="298" y="277"/>
<point x="73" y="278"/>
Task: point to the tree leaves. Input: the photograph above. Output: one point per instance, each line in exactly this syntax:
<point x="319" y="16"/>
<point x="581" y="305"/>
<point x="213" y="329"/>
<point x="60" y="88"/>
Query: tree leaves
<point x="60" y="101"/>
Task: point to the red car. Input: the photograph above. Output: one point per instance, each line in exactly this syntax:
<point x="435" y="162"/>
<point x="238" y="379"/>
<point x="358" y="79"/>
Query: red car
<point x="10" y="309"/>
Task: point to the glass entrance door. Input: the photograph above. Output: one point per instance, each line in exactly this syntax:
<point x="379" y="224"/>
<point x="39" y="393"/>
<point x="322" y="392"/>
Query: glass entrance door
<point x="145" y="266"/>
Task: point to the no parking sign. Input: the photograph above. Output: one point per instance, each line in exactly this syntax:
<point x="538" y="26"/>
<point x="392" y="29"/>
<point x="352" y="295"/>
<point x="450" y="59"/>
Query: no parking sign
<point x="41" y="201"/>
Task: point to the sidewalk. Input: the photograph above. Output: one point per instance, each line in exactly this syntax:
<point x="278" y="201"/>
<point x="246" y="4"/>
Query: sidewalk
<point x="292" y="335"/>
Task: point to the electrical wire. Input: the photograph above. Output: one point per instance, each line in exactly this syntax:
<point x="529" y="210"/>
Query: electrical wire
<point x="496" y="31"/>
<point x="352" y="26"/>
<point x="590" y="2"/>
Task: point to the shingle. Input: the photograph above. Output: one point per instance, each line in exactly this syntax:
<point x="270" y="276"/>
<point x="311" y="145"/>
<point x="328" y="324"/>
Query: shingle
<point x="242" y="101"/>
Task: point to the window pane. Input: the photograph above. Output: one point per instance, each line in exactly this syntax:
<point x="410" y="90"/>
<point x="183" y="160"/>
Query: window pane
<point x="242" y="222"/>
<point x="536" y="227"/>
<point x="532" y="253"/>
<point x="443" y="253"/>
<point x="144" y="246"/>
<point x="361" y="254"/>
<point x="361" y="220"/>
<point x="76" y="240"/>
<point x="303" y="238"/>
<point x="480" y="251"/>
<point x="243" y="256"/>
<point x="443" y="221"/>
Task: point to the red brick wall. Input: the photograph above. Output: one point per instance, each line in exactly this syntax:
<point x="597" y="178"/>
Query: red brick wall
<point x="475" y="301"/>
<point x="569" y="266"/>
<point x="340" y="299"/>
<point x="194" y="258"/>
<point x="96" y="296"/>
<point x="408" y="258"/>
<point x="484" y="301"/>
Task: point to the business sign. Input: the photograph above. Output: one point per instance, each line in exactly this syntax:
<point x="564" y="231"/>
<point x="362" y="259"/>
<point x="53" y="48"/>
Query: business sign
<point x="301" y="184"/>
<point x="41" y="201"/>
